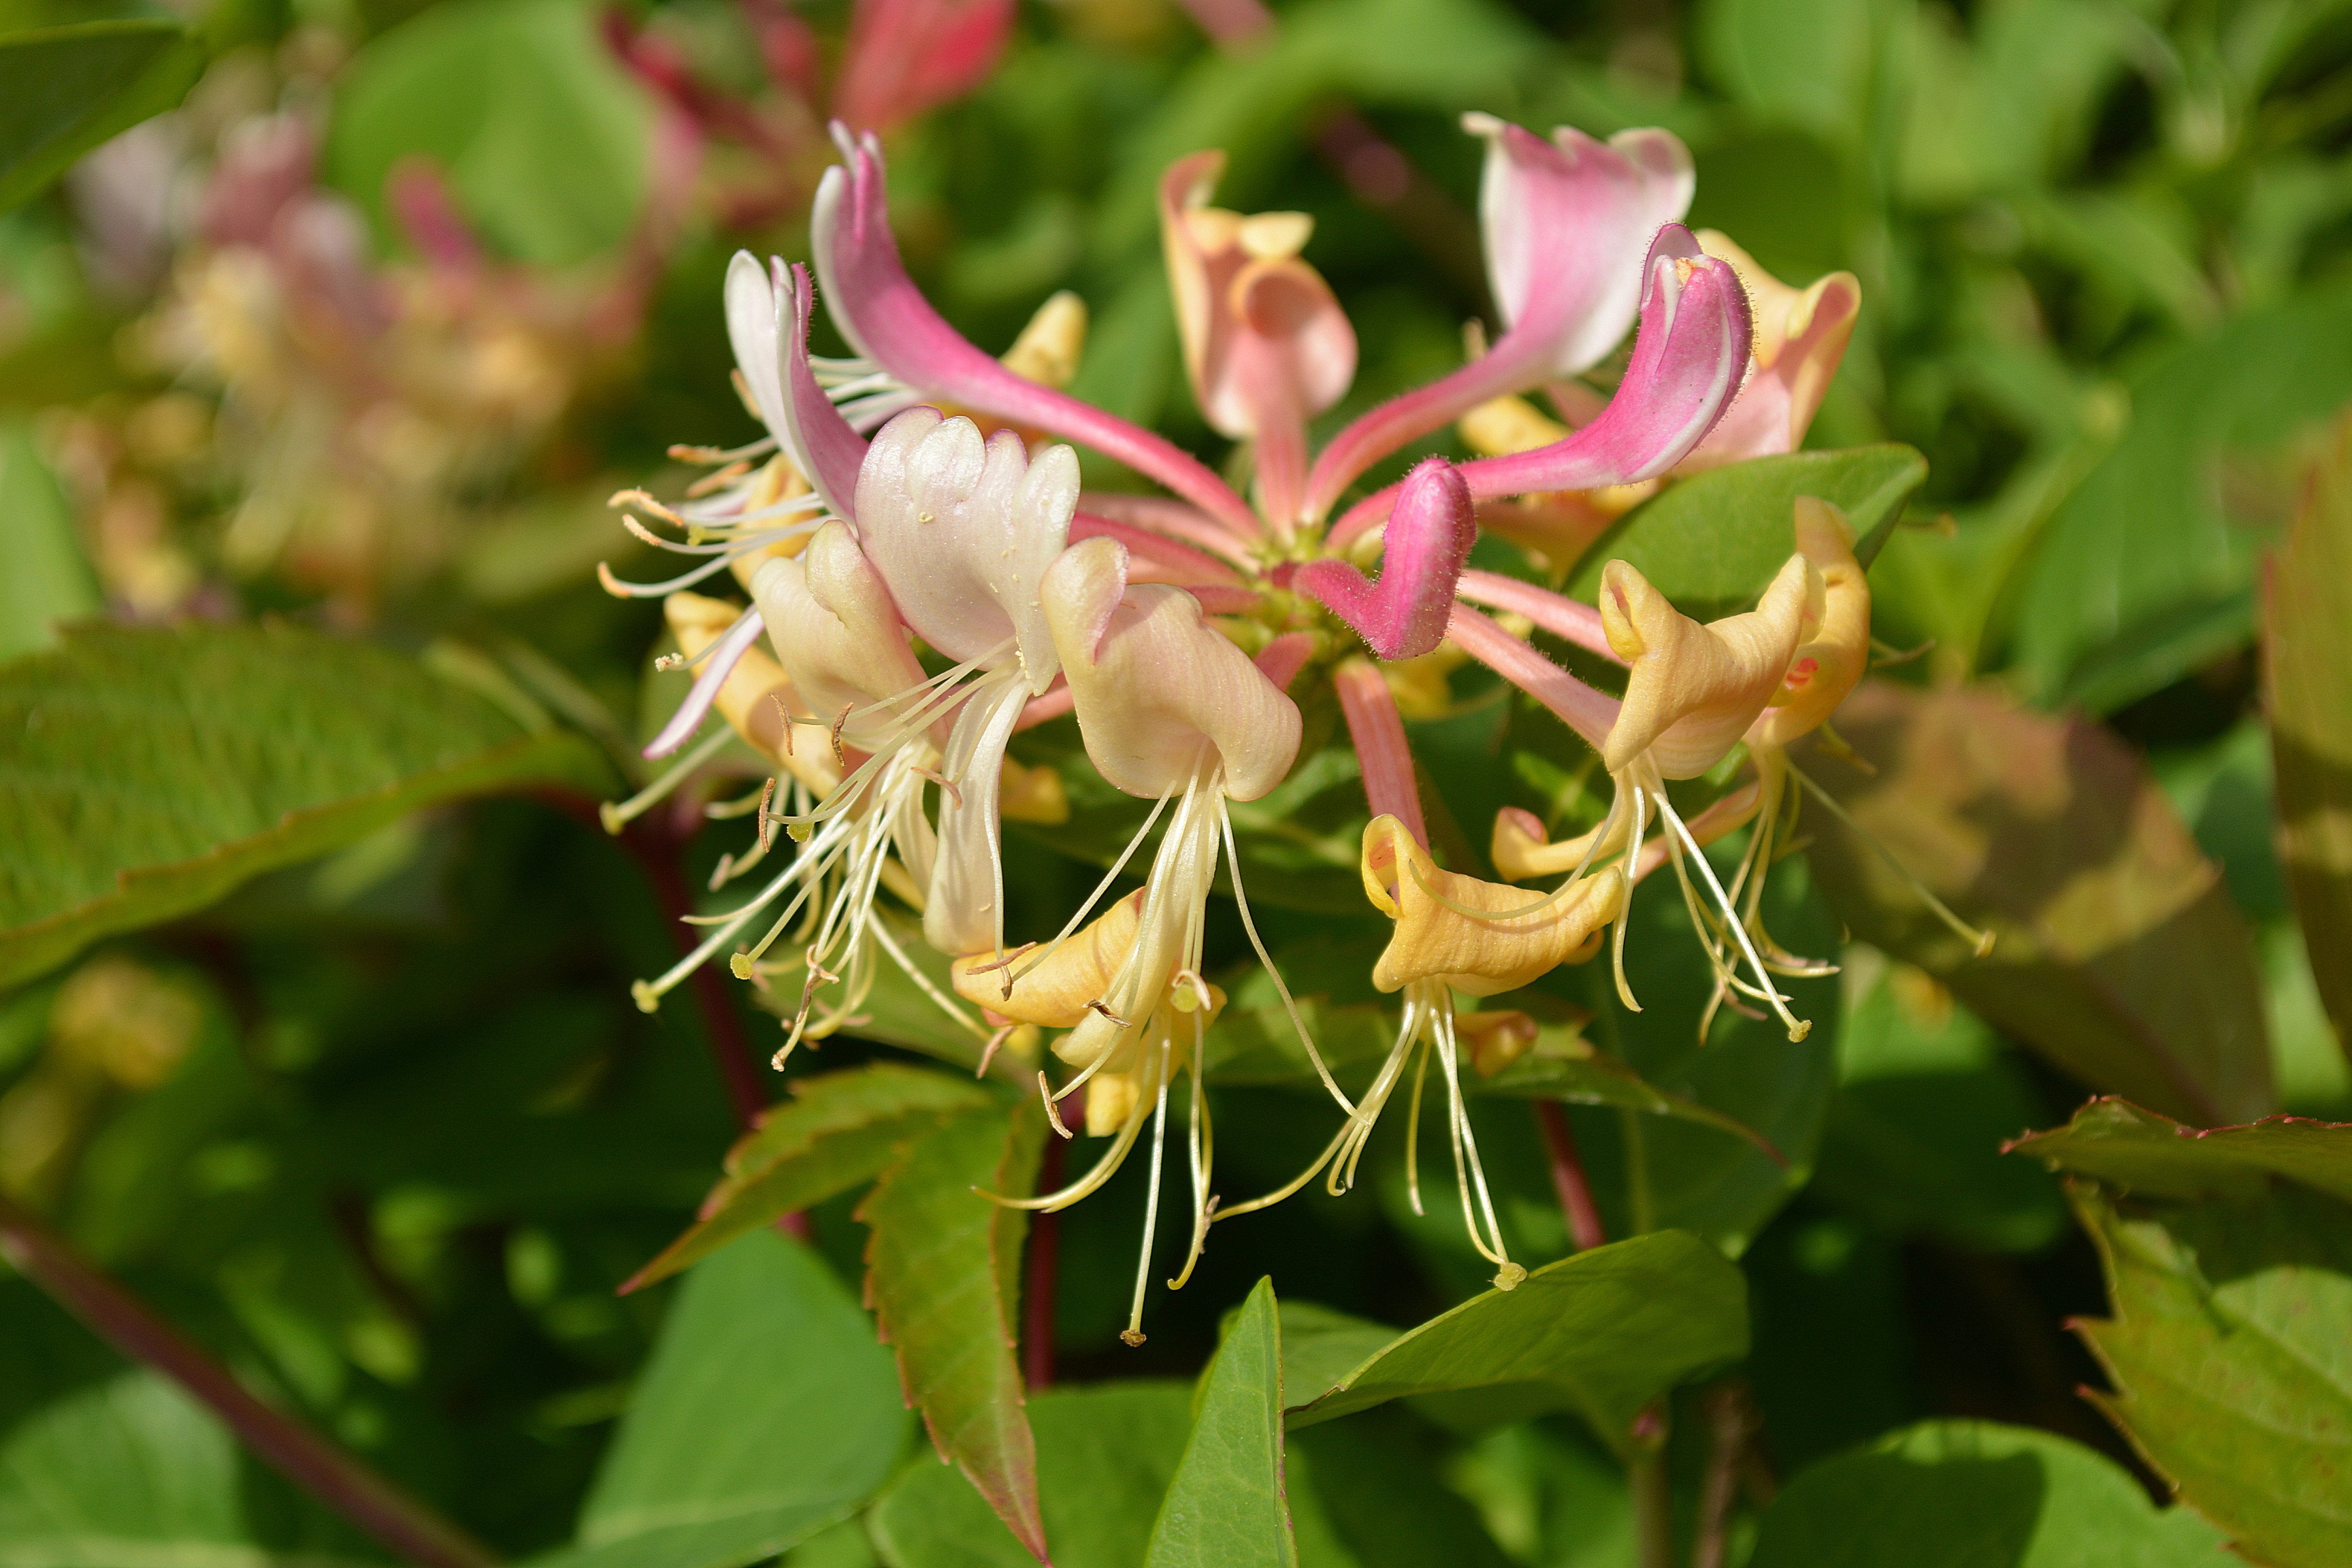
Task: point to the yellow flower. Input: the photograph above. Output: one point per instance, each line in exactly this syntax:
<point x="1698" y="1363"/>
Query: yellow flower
<point x="1476" y="936"/>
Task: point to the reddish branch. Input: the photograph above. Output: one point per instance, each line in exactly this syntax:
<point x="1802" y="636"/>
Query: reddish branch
<point x="1585" y="1227"/>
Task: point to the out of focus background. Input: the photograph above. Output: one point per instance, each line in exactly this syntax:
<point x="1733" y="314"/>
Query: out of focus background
<point x="362" y="334"/>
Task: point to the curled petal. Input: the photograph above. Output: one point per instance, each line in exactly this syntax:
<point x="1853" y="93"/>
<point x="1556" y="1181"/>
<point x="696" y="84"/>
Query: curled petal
<point x="1836" y="649"/>
<point x="905" y="57"/>
<point x="962" y="528"/>
<point x="1686" y="365"/>
<point x="837" y="631"/>
<point x="1800" y="338"/>
<point x="767" y="323"/>
<point x="1053" y="993"/>
<point x="1429" y="538"/>
<point x="1263" y="335"/>
<point x="888" y="321"/>
<point x="1567" y="222"/>
<point x="1159" y="693"/>
<point x="723" y="651"/>
<point x="1693" y="690"/>
<point x="1462" y="932"/>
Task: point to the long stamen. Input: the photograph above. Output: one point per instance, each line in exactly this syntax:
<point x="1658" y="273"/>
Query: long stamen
<point x="615" y="817"/>
<point x="1797" y="1028"/>
<point x="1983" y="939"/>
<point x="1625" y="915"/>
<point x="1133" y="1333"/>
<point x="1094" y="898"/>
<point x="1240" y="902"/>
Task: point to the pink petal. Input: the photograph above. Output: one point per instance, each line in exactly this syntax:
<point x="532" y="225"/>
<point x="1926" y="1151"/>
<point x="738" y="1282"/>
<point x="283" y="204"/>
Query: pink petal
<point x="1570" y="620"/>
<point x="1686" y="370"/>
<point x="886" y="319"/>
<point x="1587" y="712"/>
<point x="1567" y="223"/>
<point x="1383" y="755"/>
<point x="905" y="57"/>
<point x="1160" y="560"/>
<point x="1429" y="538"/>
<point x="833" y="451"/>
<point x="1175" y="519"/>
<point x="1801" y="339"/>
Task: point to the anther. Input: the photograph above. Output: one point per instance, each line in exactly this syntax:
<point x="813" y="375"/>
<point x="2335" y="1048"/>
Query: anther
<point x="1052" y="1115"/>
<point x="1097" y="1006"/>
<point x="945" y="783"/>
<point x="840" y="756"/>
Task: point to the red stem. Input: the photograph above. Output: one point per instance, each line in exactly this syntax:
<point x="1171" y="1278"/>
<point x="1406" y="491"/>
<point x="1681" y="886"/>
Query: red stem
<point x="402" y="1524"/>
<point x="1038" y="1275"/>
<point x="1585" y="1227"/>
<point x="1383" y="755"/>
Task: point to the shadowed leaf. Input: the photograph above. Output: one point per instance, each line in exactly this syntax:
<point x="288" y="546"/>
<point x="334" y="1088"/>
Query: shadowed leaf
<point x="152" y="771"/>
<point x="2307" y="670"/>
<point x="837" y="1129"/>
<point x="1225" y="1507"/>
<point x="940" y="1277"/>
<point x="2119" y="954"/>
<point x="2231" y="1361"/>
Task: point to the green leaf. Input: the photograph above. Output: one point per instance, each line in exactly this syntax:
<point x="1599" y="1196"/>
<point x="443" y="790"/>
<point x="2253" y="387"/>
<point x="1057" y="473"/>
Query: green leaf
<point x="838" y="1130"/>
<point x="1601" y="1333"/>
<point x="1226" y="1508"/>
<point x="1925" y="1096"/>
<point x="1712" y="541"/>
<point x="942" y="1274"/>
<point x="1320" y="1346"/>
<point x="2148" y="1155"/>
<point x="127" y="1471"/>
<point x="719" y="1461"/>
<point x="63" y="90"/>
<point x="543" y="138"/>
<point x="2119" y="954"/>
<point x="43" y="578"/>
<point x="1962" y="1494"/>
<point x="2231" y="1362"/>
<point x="1367" y="1494"/>
<point x="153" y="770"/>
<point x="1105" y="1456"/>
<point x="2145" y="574"/>
<point x="2306" y="669"/>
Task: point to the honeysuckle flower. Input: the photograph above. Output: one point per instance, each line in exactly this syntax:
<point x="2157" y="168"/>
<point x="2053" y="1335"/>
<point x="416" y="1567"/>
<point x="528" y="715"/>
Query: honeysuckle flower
<point x="1265" y="343"/>
<point x="1171" y="711"/>
<point x="951" y="542"/>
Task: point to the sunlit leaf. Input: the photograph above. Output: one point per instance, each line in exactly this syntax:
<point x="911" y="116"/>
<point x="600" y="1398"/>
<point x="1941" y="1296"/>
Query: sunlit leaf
<point x="1712" y="541"/>
<point x="2307" y="666"/>
<point x="1953" y="1494"/>
<point x="941" y="1266"/>
<point x="65" y="89"/>
<point x="43" y="578"/>
<point x="838" y="1130"/>
<point x="129" y="1467"/>
<point x="153" y="770"/>
<point x="1600" y="1334"/>
<point x="2231" y="1365"/>
<point x="2119" y="954"/>
<point x="2141" y="1152"/>
<point x="719" y="1461"/>
<point x="1225" y="1507"/>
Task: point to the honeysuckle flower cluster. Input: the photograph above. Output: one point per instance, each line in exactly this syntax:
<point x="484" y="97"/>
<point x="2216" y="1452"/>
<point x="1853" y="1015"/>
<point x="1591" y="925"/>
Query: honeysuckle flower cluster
<point x="914" y="497"/>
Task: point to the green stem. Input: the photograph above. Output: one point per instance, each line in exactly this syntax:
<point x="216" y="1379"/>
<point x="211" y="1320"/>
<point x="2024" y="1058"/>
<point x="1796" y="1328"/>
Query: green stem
<point x="1641" y="1209"/>
<point x="403" y="1525"/>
